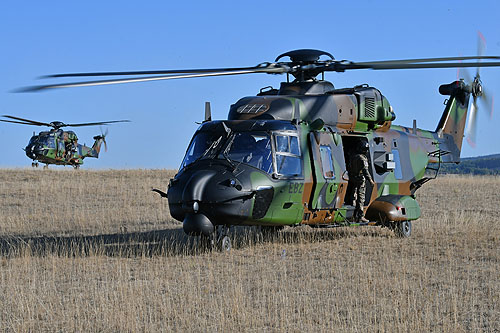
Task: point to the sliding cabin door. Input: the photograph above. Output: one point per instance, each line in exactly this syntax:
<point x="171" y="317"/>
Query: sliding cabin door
<point x="328" y="170"/>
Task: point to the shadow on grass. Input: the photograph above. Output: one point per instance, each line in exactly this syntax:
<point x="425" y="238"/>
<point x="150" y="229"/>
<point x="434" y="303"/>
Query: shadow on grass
<point x="168" y="242"/>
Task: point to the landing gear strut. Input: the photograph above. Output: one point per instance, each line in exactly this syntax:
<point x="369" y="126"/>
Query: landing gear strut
<point x="219" y="239"/>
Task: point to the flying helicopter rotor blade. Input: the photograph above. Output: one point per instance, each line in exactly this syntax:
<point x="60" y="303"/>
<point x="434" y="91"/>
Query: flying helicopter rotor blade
<point x="105" y="143"/>
<point x="98" y="123"/>
<point x="269" y="70"/>
<point x="27" y="121"/>
<point x="16" y="122"/>
<point x="103" y="137"/>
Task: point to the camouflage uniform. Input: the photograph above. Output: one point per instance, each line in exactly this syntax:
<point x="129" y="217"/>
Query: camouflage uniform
<point x="359" y="175"/>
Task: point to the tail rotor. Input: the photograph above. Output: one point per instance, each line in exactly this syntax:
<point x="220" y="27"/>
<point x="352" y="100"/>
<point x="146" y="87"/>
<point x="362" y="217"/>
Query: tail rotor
<point x="478" y="93"/>
<point x="103" y="135"/>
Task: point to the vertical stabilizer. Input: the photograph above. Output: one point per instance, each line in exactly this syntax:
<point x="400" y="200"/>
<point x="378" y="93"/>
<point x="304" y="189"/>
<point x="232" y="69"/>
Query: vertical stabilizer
<point x="451" y="127"/>
<point x="96" y="147"/>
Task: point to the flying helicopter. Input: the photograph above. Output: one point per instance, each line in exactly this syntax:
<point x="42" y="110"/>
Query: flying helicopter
<point x="282" y="156"/>
<point x="57" y="146"/>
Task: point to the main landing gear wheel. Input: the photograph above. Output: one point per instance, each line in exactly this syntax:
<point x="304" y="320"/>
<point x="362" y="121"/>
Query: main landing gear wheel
<point x="402" y="229"/>
<point x="225" y="244"/>
<point x="46" y="166"/>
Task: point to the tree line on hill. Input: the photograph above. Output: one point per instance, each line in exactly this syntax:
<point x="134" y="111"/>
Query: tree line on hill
<point x="481" y="165"/>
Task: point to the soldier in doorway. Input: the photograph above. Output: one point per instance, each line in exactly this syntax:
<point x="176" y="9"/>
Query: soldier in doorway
<point x="358" y="176"/>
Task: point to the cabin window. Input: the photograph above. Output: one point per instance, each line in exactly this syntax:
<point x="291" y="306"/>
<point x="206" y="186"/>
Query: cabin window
<point x="398" y="172"/>
<point x="327" y="162"/>
<point x="288" y="162"/>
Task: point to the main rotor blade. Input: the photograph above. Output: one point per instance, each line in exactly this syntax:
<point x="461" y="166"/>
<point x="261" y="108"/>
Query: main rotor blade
<point x="17" y="122"/>
<point x="156" y="72"/>
<point x="98" y="123"/>
<point x="349" y="66"/>
<point x="406" y="61"/>
<point x="27" y="121"/>
<point x="271" y="70"/>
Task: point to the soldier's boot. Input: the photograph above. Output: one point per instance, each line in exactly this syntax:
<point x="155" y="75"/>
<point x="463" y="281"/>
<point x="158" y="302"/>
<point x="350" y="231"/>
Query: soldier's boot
<point x="358" y="215"/>
<point x="363" y="219"/>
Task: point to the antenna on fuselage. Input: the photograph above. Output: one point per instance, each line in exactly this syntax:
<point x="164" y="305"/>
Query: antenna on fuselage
<point x="208" y="112"/>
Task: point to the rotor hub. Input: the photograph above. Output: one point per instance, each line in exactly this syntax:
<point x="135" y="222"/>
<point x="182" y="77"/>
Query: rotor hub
<point x="57" y="124"/>
<point x="477" y="87"/>
<point x="304" y="56"/>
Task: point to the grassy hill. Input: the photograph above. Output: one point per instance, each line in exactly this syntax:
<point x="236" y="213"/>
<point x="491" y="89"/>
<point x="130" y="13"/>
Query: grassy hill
<point x="481" y="165"/>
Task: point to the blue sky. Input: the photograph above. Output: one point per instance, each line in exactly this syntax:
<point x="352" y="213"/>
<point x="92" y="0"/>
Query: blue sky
<point x="45" y="37"/>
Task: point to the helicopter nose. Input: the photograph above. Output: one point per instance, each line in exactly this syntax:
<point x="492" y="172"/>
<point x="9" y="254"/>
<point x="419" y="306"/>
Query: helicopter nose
<point x="196" y="187"/>
<point x="32" y="151"/>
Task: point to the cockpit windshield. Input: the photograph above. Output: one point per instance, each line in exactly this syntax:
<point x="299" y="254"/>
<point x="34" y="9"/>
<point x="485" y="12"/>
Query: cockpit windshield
<point x="203" y="144"/>
<point x="47" y="141"/>
<point x="251" y="148"/>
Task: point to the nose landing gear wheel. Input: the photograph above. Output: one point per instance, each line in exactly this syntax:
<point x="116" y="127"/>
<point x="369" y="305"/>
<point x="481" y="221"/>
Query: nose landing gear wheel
<point x="402" y="229"/>
<point x="225" y="244"/>
<point x="223" y="239"/>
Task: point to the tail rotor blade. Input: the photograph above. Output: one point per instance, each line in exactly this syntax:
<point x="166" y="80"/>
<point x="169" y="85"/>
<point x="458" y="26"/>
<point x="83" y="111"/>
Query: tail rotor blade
<point x="481" y="47"/>
<point x="471" y="128"/>
<point x="104" y="134"/>
<point x="492" y="105"/>
<point x="464" y="73"/>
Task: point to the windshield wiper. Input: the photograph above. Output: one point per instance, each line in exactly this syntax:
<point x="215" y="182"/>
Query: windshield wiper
<point x="226" y="150"/>
<point x="212" y="146"/>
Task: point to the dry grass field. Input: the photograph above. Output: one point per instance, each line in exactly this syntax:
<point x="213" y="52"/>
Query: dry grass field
<point x="98" y="251"/>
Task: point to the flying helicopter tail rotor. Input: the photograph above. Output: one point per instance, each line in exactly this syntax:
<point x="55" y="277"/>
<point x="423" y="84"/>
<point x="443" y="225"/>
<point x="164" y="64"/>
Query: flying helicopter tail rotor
<point x="103" y="136"/>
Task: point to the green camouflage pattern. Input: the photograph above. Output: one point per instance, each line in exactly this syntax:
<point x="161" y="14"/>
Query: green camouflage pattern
<point x="398" y="156"/>
<point x="61" y="148"/>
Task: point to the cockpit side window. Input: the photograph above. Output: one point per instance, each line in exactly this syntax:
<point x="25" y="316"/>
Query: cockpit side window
<point x="288" y="162"/>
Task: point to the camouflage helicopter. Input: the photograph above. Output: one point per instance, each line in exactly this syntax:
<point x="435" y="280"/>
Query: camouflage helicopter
<point x="282" y="157"/>
<point x="57" y="146"/>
